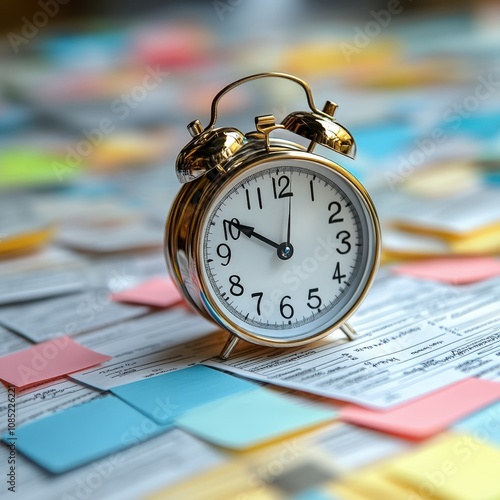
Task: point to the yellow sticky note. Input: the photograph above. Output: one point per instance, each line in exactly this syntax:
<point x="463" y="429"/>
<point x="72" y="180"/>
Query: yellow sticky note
<point x="451" y="468"/>
<point x="374" y="483"/>
<point x="340" y="490"/>
<point x="487" y="242"/>
<point x="24" y="242"/>
<point x="230" y="481"/>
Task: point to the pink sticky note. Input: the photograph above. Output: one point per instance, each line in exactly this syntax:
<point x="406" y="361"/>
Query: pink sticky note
<point x="156" y="292"/>
<point x="46" y="361"/>
<point x="455" y="271"/>
<point x="428" y="415"/>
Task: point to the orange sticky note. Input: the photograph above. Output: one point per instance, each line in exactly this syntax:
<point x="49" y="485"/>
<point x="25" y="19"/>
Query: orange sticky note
<point x="156" y="292"/>
<point x="454" y="271"/>
<point x="428" y="415"/>
<point x="48" y="360"/>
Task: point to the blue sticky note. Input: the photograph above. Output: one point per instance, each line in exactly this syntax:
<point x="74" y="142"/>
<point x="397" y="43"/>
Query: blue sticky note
<point x="165" y="397"/>
<point x="384" y="140"/>
<point x="313" y="494"/>
<point x="250" y="418"/>
<point x="84" y="433"/>
<point x="484" y="424"/>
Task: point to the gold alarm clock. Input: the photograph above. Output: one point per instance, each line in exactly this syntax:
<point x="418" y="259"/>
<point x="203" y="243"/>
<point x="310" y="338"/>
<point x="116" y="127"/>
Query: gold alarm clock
<point x="275" y="243"/>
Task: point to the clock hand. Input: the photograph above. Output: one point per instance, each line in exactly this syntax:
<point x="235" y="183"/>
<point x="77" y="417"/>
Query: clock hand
<point x="289" y="220"/>
<point x="249" y="231"/>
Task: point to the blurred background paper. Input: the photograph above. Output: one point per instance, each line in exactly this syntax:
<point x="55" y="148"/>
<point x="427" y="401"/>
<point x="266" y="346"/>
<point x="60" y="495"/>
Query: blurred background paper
<point x="455" y="271"/>
<point x="156" y="292"/>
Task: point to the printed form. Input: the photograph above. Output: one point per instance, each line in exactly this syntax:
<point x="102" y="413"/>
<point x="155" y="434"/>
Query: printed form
<point x="151" y="345"/>
<point x="414" y="337"/>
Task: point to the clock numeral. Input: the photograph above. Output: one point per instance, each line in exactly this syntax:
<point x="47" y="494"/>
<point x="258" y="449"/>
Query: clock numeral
<point x="335" y="206"/>
<point x="344" y="236"/>
<point x="259" y="295"/>
<point x="316" y="298"/>
<point x="286" y="310"/>
<point x="224" y="252"/>
<point x="229" y="230"/>
<point x="283" y="183"/>
<point x="311" y="187"/>
<point x="259" y="198"/>
<point x="236" y="289"/>
<point x="336" y="275"/>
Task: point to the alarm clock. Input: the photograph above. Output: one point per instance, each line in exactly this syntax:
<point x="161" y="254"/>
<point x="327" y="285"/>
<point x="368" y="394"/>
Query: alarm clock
<point x="273" y="242"/>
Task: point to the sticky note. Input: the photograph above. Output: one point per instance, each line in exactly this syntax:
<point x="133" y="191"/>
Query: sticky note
<point x="451" y="468"/>
<point x="48" y="360"/>
<point x="430" y="414"/>
<point x="483" y="425"/>
<point x="167" y="396"/>
<point x="82" y="434"/>
<point x="313" y="494"/>
<point x="156" y="292"/>
<point x="250" y="418"/>
<point x="482" y="243"/>
<point x="373" y="140"/>
<point x="372" y="483"/>
<point x="25" y="242"/>
<point x="23" y="167"/>
<point x="454" y="271"/>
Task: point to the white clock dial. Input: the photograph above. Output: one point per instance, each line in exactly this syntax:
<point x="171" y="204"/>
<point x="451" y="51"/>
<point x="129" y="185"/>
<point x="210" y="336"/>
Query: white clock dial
<point x="288" y="248"/>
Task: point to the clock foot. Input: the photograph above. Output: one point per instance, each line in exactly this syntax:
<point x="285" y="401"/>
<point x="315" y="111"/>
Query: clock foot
<point x="348" y="331"/>
<point x="227" y="349"/>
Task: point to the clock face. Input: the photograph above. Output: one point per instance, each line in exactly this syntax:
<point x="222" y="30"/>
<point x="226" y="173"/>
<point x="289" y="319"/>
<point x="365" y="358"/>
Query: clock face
<point x="288" y="248"/>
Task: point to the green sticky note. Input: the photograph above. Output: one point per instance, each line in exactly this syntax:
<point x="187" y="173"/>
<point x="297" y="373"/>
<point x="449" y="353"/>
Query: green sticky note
<point x="250" y="418"/>
<point x="30" y="167"/>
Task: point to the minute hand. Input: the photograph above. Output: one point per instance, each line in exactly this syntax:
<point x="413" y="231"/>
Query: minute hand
<point x="249" y="231"/>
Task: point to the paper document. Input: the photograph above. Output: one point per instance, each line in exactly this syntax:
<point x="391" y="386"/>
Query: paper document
<point x="39" y="285"/>
<point x="455" y="215"/>
<point x="68" y="315"/>
<point x="36" y="402"/>
<point x="352" y="447"/>
<point x="11" y="342"/>
<point x="413" y="338"/>
<point x="149" y="346"/>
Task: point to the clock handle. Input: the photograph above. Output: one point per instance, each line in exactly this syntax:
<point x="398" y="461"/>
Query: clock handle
<point x="228" y="347"/>
<point x="241" y="81"/>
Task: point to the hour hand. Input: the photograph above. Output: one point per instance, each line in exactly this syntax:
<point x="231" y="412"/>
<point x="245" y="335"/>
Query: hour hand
<point x="249" y="232"/>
